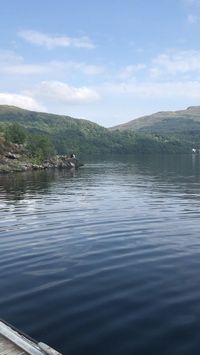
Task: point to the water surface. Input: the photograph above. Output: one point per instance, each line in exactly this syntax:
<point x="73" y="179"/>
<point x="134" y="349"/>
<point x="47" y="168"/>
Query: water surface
<point x="106" y="261"/>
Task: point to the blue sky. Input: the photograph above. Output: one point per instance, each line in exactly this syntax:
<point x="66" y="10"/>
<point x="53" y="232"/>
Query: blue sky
<point x="108" y="61"/>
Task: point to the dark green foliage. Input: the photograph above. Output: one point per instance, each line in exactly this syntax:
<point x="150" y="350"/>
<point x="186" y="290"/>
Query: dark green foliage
<point x="15" y="133"/>
<point x="65" y="134"/>
<point x="39" y="147"/>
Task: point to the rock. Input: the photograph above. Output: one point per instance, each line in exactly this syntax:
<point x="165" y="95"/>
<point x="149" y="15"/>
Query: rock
<point x="11" y="155"/>
<point x="10" y="162"/>
<point x="46" y="165"/>
<point x="37" y="167"/>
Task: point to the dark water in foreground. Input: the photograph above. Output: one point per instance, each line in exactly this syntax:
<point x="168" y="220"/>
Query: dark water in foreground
<point x="107" y="261"/>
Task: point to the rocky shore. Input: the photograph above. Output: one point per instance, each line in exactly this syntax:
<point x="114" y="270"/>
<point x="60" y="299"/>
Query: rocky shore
<point x="16" y="160"/>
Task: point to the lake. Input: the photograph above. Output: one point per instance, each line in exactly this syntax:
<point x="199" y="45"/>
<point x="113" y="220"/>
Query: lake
<point x="106" y="260"/>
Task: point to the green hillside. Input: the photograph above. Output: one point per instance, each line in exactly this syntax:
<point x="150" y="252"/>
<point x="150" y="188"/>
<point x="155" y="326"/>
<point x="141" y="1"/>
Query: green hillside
<point x="41" y="121"/>
<point x="67" y="134"/>
<point x="165" y="122"/>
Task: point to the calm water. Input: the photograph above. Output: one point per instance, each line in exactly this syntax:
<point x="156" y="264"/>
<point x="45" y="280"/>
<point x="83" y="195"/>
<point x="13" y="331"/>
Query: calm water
<point x="106" y="261"/>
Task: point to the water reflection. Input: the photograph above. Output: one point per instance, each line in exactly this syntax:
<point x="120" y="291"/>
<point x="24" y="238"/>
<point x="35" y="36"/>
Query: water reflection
<point x="18" y="186"/>
<point x="169" y="166"/>
<point x="106" y="261"/>
<point x="158" y="172"/>
<point x="159" y="165"/>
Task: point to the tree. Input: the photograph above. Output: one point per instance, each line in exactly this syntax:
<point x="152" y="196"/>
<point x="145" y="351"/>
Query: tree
<point x="15" y="133"/>
<point x="40" y="147"/>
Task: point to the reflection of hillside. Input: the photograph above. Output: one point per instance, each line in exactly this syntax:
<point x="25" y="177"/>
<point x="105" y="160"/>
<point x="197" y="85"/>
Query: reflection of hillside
<point x="149" y="172"/>
<point x="155" y="173"/>
<point x="170" y="174"/>
<point x="17" y="186"/>
<point x="165" y="166"/>
<point x="168" y="166"/>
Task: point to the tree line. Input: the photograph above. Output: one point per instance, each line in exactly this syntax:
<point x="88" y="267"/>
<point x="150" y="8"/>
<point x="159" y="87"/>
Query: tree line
<point x="38" y="147"/>
<point x="97" y="140"/>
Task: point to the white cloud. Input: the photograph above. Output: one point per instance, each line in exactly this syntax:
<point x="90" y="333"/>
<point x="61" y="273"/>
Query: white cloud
<point x="61" y="92"/>
<point x="23" y="101"/>
<point x="155" y="90"/>
<point x="7" y="57"/>
<point x="24" y="69"/>
<point x="130" y="70"/>
<point x="90" y="69"/>
<point x="87" y="69"/>
<point x="53" y="41"/>
<point x="175" y="62"/>
<point x="13" y="64"/>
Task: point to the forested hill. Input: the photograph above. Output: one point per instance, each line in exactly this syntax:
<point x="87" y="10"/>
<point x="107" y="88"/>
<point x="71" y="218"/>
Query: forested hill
<point x="44" y="122"/>
<point x="166" y="122"/>
<point x="66" y="134"/>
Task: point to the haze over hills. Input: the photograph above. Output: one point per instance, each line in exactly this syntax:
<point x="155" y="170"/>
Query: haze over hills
<point x="165" y="122"/>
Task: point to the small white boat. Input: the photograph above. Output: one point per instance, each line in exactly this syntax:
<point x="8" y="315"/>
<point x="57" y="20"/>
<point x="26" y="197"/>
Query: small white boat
<point x="14" y="342"/>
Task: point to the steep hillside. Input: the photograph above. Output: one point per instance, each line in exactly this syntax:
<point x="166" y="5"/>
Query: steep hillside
<point x="65" y="132"/>
<point x="166" y="122"/>
<point x="45" y="122"/>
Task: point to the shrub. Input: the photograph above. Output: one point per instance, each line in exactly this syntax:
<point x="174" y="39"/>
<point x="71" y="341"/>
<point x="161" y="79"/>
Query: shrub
<point x="40" y="147"/>
<point x="15" y="133"/>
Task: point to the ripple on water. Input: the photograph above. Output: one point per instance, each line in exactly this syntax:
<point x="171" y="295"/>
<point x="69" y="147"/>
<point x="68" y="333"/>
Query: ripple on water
<point x="106" y="262"/>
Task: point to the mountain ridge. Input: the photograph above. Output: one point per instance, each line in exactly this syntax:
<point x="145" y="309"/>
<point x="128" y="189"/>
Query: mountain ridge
<point x="162" y="121"/>
<point x="9" y="109"/>
<point x="155" y="133"/>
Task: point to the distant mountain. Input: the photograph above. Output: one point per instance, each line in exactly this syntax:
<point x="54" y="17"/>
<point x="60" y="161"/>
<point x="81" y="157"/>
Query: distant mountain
<point x="165" y="122"/>
<point x="155" y="133"/>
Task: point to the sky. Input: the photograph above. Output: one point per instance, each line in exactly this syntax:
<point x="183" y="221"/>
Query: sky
<point x="108" y="61"/>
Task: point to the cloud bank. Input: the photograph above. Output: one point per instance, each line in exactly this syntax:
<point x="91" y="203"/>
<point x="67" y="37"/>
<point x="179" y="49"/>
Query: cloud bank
<point x="175" y="62"/>
<point x="53" y="41"/>
<point x="61" y="92"/>
<point x="156" y="90"/>
<point x="23" y="101"/>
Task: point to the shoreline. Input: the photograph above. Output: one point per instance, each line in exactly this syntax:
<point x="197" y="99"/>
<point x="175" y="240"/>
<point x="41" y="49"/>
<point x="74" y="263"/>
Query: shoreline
<point x="12" y="163"/>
